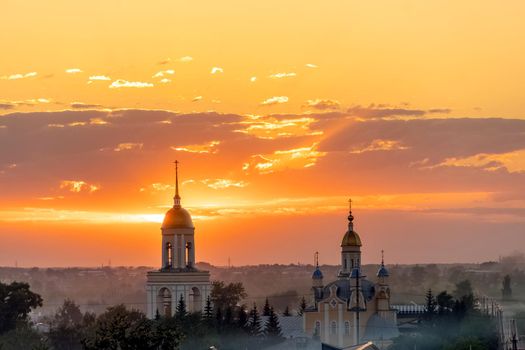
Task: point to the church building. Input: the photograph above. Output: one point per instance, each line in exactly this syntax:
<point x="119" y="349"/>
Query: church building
<point x="177" y="278"/>
<point x="351" y="309"/>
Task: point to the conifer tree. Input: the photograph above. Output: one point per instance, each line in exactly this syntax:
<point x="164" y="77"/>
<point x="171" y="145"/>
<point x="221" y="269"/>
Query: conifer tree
<point x="228" y="316"/>
<point x="266" y="309"/>
<point x="287" y="311"/>
<point x="208" y="310"/>
<point x="180" y="311"/>
<point x="507" y="289"/>
<point x="302" y="306"/>
<point x="218" y="318"/>
<point x="242" y="318"/>
<point x="157" y="315"/>
<point x="430" y="305"/>
<point x="254" y="321"/>
<point x="272" y="329"/>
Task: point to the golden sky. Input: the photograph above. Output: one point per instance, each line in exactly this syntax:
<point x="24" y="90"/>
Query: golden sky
<point x="278" y="112"/>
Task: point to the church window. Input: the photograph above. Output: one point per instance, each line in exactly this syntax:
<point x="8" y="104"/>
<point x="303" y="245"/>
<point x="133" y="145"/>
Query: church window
<point x="169" y="254"/>
<point x="352" y="263"/>
<point x="346" y="264"/>
<point x="347" y="328"/>
<point x="333" y="328"/>
<point x="317" y="328"/>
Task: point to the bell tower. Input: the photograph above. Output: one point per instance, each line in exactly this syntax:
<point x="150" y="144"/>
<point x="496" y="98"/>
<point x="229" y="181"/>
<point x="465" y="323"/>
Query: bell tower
<point x="350" y="247"/>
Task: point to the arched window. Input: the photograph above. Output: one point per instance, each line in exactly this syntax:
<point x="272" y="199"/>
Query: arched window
<point x="169" y="254"/>
<point x="188" y="255"/>
<point x="347" y="328"/>
<point x="317" y="328"/>
<point x="346" y="264"/>
<point x="333" y="328"/>
<point x="352" y="261"/>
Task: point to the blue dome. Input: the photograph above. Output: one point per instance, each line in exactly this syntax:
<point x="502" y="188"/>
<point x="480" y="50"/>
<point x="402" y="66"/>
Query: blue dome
<point x="355" y="273"/>
<point x="382" y="272"/>
<point x="317" y="275"/>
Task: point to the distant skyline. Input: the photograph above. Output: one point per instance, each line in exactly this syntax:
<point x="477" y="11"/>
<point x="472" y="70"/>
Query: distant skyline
<point x="278" y="113"/>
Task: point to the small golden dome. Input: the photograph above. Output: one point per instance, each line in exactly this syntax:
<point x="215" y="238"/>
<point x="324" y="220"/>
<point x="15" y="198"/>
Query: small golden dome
<point x="177" y="217"/>
<point x="351" y="238"/>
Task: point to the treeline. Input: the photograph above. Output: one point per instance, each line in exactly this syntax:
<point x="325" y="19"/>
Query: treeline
<point x="224" y="324"/>
<point x="452" y="322"/>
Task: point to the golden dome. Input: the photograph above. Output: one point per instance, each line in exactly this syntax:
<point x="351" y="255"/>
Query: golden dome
<point x="177" y="217"/>
<point x="351" y="238"/>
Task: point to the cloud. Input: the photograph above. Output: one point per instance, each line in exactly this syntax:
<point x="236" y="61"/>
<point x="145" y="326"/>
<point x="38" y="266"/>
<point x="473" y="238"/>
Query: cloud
<point x="253" y="79"/>
<point x="380" y="111"/>
<point x="311" y="65"/>
<point x="7" y="105"/>
<point x="271" y="127"/>
<point x="216" y="70"/>
<point x="127" y="146"/>
<point x="274" y="100"/>
<point x="77" y="186"/>
<point x="440" y="110"/>
<point x="513" y="162"/>
<point x="209" y="147"/>
<point x="73" y="71"/>
<point x="81" y="105"/>
<point x="19" y="76"/>
<point x="323" y="104"/>
<point x="120" y="83"/>
<point x="186" y="59"/>
<point x="163" y="73"/>
<point x="165" y="81"/>
<point x="219" y="184"/>
<point x="380" y="145"/>
<point x="196" y="99"/>
<point x="164" y="61"/>
<point x="99" y="78"/>
<point x="282" y="75"/>
<point x="295" y="158"/>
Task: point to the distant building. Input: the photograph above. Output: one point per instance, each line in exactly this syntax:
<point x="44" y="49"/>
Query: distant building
<point x="351" y="309"/>
<point x="178" y="277"/>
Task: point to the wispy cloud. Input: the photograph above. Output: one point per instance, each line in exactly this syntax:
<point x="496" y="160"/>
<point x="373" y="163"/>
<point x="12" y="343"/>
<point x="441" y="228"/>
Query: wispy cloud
<point x="163" y="73"/>
<point x="271" y="127"/>
<point x="381" y="145"/>
<point x="209" y="147"/>
<point x="19" y="76"/>
<point x="274" y="100"/>
<point x="513" y="162"/>
<point x="73" y="70"/>
<point x="81" y="105"/>
<point x="165" y="81"/>
<point x="99" y="78"/>
<point x="196" y="99"/>
<point x="216" y="70"/>
<point x="323" y="104"/>
<point x="311" y="65"/>
<point x="120" y="83"/>
<point x="127" y="146"/>
<point x="296" y="158"/>
<point x="253" y="79"/>
<point x="186" y="59"/>
<point x="282" y="75"/>
<point x="219" y="184"/>
<point x="78" y="186"/>
<point x="7" y="105"/>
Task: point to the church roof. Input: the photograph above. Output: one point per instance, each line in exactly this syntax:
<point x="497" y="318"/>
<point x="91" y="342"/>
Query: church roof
<point x="378" y="328"/>
<point x="317" y="275"/>
<point x="177" y="217"/>
<point x="343" y="289"/>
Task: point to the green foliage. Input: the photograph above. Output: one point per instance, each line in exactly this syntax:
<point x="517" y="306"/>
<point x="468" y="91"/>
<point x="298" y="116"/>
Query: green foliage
<point x="266" y="308"/>
<point x="180" y="311"/>
<point x="430" y="305"/>
<point x="463" y="288"/>
<point x="273" y="329"/>
<point x="287" y="312"/>
<point x="302" y="306"/>
<point x="229" y="295"/>
<point x="208" y="310"/>
<point x="23" y="336"/>
<point x="68" y="326"/>
<point x="254" y="322"/>
<point x="16" y="301"/>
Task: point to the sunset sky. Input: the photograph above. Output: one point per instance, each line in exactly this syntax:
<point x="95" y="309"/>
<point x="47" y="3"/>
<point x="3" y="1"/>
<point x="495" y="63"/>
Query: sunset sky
<point x="278" y="112"/>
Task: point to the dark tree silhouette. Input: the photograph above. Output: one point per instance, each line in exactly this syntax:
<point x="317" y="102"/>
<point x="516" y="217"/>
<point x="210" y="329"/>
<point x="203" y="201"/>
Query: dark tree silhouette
<point x="302" y="306"/>
<point x="180" y="311"/>
<point x="208" y="310"/>
<point x="430" y="305"/>
<point x="254" y="322"/>
<point x="287" y="312"/>
<point x="506" y="292"/>
<point x="272" y="329"/>
<point x="242" y="318"/>
<point x="16" y="301"/>
<point x="266" y="308"/>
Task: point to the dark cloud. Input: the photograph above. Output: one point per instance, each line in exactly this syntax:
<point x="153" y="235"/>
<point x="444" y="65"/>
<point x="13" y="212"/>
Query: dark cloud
<point x="323" y="104"/>
<point x="6" y="105"/>
<point x="81" y="105"/>
<point x="440" y="110"/>
<point x="381" y="111"/>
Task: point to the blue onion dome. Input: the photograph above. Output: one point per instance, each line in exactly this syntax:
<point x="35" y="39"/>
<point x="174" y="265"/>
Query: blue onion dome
<point x="317" y="275"/>
<point x="382" y="272"/>
<point x="355" y="273"/>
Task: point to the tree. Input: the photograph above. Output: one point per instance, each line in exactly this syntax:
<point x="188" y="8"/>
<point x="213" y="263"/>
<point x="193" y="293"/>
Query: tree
<point x="266" y="308"/>
<point x="287" y="312"/>
<point x="506" y="292"/>
<point x="16" y="301"/>
<point x="119" y="328"/>
<point x="445" y="302"/>
<point x="273" y="329"/>
<point x="208" y="310"/>
<point x="302" y="306"/>
<point x="223" y="295"/>
<point x="254" y="322"/>
<point x="431" y="305"/>
<point x="463" y="288"/>
<point x="228" y="316"/>
<point x="242" y="318"/>
<point x="67" y="327"/>
<point x="180" y="311"/>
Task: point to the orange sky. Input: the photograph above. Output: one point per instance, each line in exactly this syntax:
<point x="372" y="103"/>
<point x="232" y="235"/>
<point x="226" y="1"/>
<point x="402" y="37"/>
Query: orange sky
<point x="278" y="113"/>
